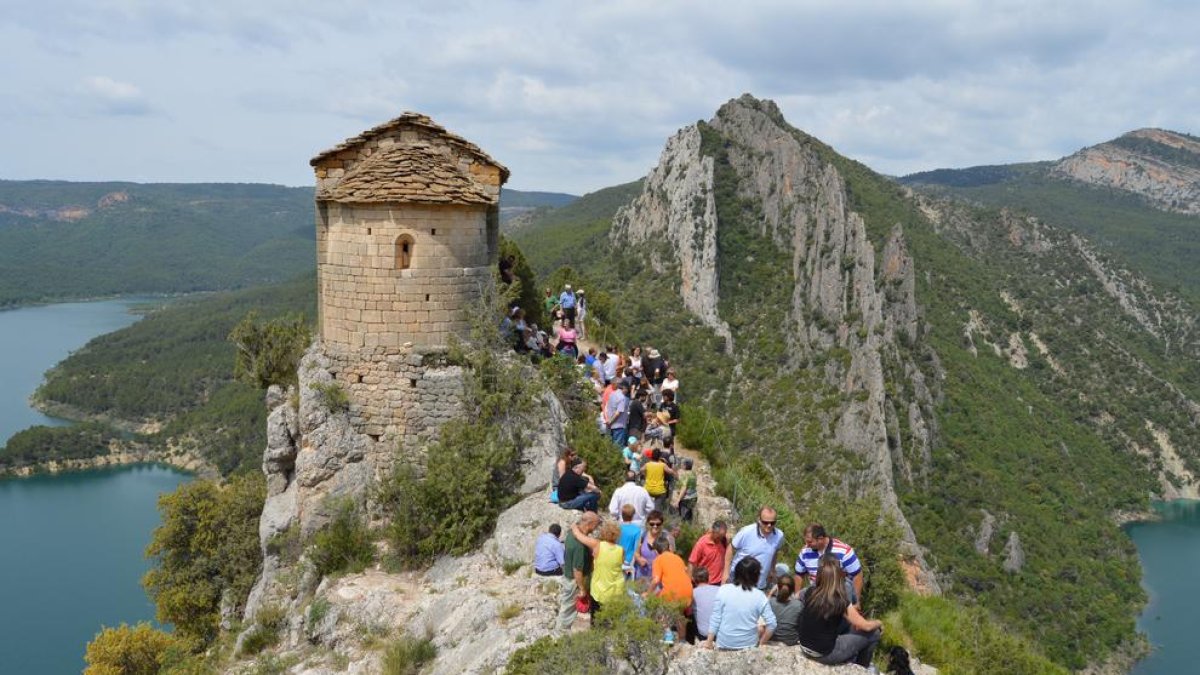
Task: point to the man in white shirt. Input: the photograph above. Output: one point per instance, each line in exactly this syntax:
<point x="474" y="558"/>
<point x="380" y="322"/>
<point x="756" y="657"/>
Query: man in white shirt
<point x="631" y="493"/>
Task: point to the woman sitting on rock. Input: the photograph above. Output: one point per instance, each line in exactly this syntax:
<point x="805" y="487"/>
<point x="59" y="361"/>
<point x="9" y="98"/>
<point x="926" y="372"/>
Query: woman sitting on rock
<point x="826" y="606"/>
<point x="738" y="608"/>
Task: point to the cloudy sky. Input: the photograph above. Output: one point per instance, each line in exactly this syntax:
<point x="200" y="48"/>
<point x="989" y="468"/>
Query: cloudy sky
<point x="575" y="96"/>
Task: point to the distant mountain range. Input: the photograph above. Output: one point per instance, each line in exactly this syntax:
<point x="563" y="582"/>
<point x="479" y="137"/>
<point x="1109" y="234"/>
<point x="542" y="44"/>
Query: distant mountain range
<point x="1137" y="196"/>
<point x="64" y="240"/>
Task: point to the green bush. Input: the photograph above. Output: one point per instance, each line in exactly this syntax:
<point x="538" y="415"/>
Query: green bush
<point x="962" y="640"/>
<point x="269" y="351"/>
<point x="127" y="650"/>
<point x="472" y="472"/>
<point x="344" y="545"/>
<point x="603" y="459"/>
<point x="268" y="624"/>
<point x="332" y="395"/>
<point x="207" y="544"/>
<point x="407" y="655"/>
<point x="621" y="640"/>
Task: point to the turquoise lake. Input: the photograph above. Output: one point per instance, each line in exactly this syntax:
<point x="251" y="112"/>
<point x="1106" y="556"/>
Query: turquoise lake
<point x="1170" y="555"/>
<point x="70" y="545"/>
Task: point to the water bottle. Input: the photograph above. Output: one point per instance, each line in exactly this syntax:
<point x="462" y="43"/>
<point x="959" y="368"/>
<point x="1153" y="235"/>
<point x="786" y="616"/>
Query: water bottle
<point x="669" y="637"/>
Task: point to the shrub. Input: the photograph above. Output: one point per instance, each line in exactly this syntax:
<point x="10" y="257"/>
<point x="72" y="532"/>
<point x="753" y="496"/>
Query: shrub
<point x="407" y="655"/>
<point x="268" y="624"/>
<point x="622" y="640"/>
<point x="960" y="640"/>
<point x="207" y="544"/>
<point x="333" y="397"/>
<point x="596" y="448"/>
<point x="510" y="611"/>
<point x="473" y="470"/>
<point x="127" y="650"/>
<point x="344" y="545"/>
<point x="268" y="352"/>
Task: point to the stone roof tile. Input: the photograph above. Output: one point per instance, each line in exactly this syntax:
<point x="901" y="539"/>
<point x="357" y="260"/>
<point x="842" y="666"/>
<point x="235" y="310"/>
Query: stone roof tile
<point x="419" y="121"/>
<point x="414" y="172"/>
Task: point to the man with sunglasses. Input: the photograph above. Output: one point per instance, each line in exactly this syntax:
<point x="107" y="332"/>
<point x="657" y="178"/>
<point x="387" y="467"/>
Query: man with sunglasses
<point x="760" y="540"/>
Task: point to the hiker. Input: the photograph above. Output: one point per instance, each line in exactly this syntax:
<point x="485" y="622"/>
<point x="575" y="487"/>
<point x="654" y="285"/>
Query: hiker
<point x="631" y="534"/>
<point x="577" y="567"/>
<point x="567" y="338"/>
<point x="644" y="557"/>
<point x="827" y="607"/>
<point x="550" y="306"/>
<point x="506" y="265"/>
<point x="738" y="608"/>
<point x="577" y="490"/>
<point x="598" y="366"/>
<point x="616" y="414"/>
<point x="672" y="409"/>
<point x="656" y="472"/>
<point x="654" y="367"/>
<point x="704" y="597"/>
<point x="608" y="577"/>
<point x="818" y="543"/>
<point x="671" y="384"/>
<point x="566" y="300"/>
<point x="787" y="610"/>
<point x="611" y="364"/>
<point x="709" y="553"/>
<point x="637" y="412"/>
<point x="549" y="553"/>
<point x="760" y="540"/>
<point x="635" y="361"/>
<point x="685" y="506"/>
<point x="670" y="581"/>
<point x="634" y="495"/>
<point x="632" y="454"/>
<point x="581" y="311"/>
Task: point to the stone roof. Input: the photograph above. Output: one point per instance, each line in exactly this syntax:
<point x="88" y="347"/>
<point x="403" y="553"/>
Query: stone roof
<point x="417" y="121"/>
<point x="414" y="172"/>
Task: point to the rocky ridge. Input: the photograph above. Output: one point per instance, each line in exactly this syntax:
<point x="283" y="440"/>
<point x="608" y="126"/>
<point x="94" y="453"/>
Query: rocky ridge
<point x="839" y="303"/>
<point x="1161" y="166"/>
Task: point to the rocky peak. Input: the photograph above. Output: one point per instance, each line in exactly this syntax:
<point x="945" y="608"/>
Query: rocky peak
<point x="1161" y="166"/>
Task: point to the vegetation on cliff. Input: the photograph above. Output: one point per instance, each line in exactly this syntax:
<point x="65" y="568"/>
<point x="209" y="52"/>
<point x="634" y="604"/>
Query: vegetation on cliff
<point x="81" y="240"/>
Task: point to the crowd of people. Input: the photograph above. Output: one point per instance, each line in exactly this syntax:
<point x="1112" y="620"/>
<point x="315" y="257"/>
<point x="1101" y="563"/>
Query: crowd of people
<point x="731" y="590"/>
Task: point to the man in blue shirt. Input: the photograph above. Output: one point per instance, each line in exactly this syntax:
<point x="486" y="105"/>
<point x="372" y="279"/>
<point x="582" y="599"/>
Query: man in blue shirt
<point x="616" y="414"/>
<point x="548" y="552"/>
<point x="566" y="300"/>
<point x="761" y="541"/>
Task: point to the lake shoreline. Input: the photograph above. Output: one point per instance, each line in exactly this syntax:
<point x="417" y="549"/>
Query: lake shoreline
<point x="121" y="454"/>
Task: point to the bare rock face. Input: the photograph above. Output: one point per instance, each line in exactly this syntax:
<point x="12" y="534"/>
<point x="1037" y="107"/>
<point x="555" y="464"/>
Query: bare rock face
<point x="987" y="527"/>
<point x="1014" y="555"/>
<point x="1161" y="166"/>
<point x="769" y="660"/>
<point x="677" y="205"/>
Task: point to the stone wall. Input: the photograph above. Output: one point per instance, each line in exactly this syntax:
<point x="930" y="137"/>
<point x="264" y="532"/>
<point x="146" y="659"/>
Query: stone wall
<point x="366" y="301"/>
<point x="398" y="394"/>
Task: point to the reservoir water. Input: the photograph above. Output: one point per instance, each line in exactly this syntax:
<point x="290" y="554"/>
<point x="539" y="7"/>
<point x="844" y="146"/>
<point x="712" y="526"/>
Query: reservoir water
<point x="1170" y="555"/>
<point x="70" y="545"/>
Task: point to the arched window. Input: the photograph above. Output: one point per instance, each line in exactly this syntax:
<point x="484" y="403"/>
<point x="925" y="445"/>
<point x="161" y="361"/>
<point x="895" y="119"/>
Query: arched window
<point x="404" y="252"/>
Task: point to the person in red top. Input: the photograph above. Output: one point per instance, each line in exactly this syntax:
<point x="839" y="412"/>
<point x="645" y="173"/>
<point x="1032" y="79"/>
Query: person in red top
<point x="709" y="553"/>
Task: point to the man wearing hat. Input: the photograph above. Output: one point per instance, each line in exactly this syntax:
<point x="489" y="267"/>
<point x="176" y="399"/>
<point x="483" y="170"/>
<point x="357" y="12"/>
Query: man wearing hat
<point x="566" y="300"/>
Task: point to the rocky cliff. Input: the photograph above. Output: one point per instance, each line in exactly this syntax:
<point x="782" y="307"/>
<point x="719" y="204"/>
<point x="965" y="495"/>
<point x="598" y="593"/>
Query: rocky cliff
<point x="830" y="304"/>
<point x="1159" y="165"/>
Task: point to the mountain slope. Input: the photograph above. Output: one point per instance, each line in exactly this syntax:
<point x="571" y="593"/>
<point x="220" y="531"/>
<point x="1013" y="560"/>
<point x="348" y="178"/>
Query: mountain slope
<point x="1001" y="386"/>
<point x="1136" y="197"/>
<point x="71" y="240"/>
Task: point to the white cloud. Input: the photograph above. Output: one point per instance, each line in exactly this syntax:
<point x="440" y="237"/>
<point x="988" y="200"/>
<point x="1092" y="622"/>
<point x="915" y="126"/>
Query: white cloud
<point x="576" y="97"/>
<point x="113" y="97"/>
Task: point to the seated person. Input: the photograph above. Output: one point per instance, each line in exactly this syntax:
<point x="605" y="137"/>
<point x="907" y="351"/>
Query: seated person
<point x="549" y="553"/>
<point x="826" y="607"/>
<point x="577" y="490"/>
<point x="787" y="608"/>
<point x="742" y="616"/>
<point x="704" y="597"/>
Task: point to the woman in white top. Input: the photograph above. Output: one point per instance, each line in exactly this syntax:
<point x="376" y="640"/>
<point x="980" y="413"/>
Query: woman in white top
<point x="670" y="383"/>
<point x="635" y="362"/>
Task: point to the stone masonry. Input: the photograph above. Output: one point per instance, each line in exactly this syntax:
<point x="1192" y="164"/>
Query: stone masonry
<point x="407" y="234"/>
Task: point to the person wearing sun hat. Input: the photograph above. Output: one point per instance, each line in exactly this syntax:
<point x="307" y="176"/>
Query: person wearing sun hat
<point x="581" y="311"/>
<point x="566" y="300"/>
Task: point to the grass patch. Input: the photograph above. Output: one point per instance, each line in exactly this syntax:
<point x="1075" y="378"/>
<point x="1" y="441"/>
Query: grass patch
<point x="407" y="655"/>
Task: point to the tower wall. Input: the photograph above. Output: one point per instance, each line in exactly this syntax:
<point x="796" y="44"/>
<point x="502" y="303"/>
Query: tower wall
<point x="366" y="300"/>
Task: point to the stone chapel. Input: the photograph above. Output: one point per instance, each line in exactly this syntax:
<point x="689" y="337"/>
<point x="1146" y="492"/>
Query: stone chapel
<point x="408" y="218"/>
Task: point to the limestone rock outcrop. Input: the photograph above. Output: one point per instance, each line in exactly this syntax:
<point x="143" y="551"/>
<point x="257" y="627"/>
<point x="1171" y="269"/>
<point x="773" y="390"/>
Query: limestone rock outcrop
<point x="1161" y="166"/>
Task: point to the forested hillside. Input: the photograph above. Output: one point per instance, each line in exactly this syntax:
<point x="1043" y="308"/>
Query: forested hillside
<point x="79" y="240"/>
<point x="172" y="370"/>
<point x="1013" y="388"/>
<point x="1160" y="243"/>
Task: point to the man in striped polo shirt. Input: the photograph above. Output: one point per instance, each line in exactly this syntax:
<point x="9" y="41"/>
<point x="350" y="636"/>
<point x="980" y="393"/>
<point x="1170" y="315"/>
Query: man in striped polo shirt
<point x="818" y="543"/>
